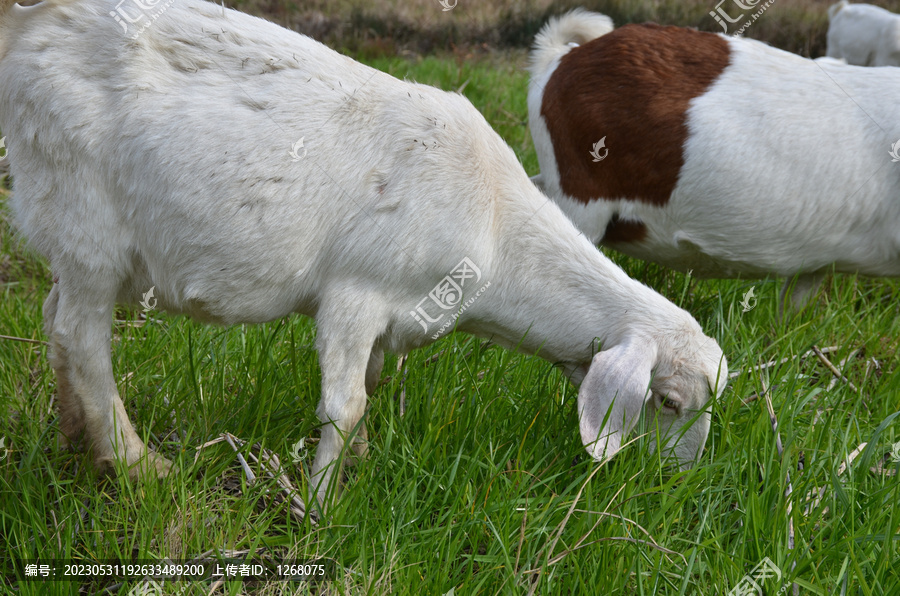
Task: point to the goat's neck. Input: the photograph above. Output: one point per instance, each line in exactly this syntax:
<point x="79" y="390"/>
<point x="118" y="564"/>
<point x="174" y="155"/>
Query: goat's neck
<point x="555" y="295"/>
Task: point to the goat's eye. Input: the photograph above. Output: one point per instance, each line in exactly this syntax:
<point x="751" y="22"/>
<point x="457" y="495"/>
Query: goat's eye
<point x="668" y="403"/>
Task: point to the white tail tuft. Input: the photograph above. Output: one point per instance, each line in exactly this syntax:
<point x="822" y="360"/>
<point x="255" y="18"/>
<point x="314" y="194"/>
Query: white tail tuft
<point x="836" y="8"/>
<point x="555" y="39"/>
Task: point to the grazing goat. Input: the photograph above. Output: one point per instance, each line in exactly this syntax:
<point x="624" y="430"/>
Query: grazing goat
<point x="863" y="34"/>
<point x="246" y="172"/>
<point x="715" y="154"/>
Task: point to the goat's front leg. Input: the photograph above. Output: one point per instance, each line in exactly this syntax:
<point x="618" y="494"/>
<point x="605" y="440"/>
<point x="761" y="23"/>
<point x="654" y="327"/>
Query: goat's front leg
<point x="78" y="319"/>
<point x="350" y="365"/>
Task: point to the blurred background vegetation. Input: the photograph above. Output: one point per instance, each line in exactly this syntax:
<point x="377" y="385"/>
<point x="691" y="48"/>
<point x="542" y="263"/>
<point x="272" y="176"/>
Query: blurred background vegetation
<point x="374" y="28"/>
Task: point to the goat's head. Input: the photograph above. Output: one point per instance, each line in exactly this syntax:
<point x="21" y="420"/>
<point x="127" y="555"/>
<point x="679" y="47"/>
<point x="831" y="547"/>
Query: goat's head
<point x="670" y="385"/>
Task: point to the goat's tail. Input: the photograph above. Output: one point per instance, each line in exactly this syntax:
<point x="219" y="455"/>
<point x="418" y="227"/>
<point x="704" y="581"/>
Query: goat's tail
<point x="559" y="35"/>
<point x="832" y="10"/>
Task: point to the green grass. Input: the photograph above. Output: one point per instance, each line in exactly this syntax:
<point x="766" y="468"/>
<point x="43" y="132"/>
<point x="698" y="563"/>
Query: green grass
<point x="482" y="485"/>
<point x="386" y="26"/>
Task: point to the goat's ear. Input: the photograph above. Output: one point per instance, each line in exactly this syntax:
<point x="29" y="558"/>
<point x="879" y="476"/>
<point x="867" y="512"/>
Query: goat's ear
<point x="613" y="394"/>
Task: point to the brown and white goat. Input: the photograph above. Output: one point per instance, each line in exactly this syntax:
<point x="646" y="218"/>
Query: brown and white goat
<point x="717" y="154"/>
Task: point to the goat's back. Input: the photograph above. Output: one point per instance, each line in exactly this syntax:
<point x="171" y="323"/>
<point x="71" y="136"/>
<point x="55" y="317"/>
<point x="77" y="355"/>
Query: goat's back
<point x="215" y="155"/>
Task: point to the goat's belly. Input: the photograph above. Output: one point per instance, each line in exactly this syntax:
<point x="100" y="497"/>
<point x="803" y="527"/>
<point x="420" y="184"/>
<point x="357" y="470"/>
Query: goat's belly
<point x="715" y="256"/>
<point x="220" y="308"/>
<point x="218" y="289"/>
<point x="687" y="256"/>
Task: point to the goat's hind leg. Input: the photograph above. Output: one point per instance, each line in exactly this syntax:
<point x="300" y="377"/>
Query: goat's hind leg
<point x="78" y="319"/>
<point x="71" y="414"/>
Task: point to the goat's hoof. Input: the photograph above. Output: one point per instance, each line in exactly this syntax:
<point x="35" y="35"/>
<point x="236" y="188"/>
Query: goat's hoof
<point x="152" y="465"/>
<point x="66" y="443"/>
<point x="360" y="453"/>
<point x="148" y="466"/>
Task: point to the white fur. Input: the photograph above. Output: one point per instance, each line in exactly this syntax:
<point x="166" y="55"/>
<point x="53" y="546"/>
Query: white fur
<point x="165" y="161"/>
<point x="563" y="33"/>
<point x="830" y="60"/>
<point x="863" y="34"/>
<point x="786" y="172"/>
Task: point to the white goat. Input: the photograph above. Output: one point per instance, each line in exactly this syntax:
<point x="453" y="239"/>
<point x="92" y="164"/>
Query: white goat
<point x="863" y="34"/>
<point x="720" y="155"/>
<point x="172" y="160"/>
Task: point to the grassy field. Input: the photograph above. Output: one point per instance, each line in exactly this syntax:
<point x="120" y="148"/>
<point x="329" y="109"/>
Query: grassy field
<point x="482" y="485"/>
<point x="386" y="27"/>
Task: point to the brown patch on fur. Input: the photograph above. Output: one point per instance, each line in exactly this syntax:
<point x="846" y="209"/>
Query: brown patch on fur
<point x="619" y="230"/>
<point x="633" y="86"/>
